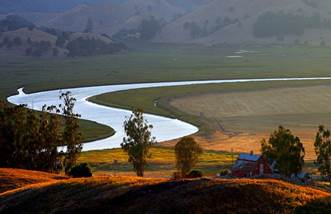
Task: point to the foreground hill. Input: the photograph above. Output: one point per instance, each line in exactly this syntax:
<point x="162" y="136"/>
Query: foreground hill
<point x="111" y="194"/>
<point x="16" y="178"/>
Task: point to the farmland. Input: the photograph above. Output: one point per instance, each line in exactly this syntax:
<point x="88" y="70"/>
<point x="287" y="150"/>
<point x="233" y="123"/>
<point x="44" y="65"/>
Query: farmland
<point x="161" y="163"/>
<point x="155" y="62"/>
<point x="237" y="116"/>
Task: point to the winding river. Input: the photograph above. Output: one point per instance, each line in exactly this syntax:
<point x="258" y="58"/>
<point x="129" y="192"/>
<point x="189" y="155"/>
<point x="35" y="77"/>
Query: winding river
<point x="164" y="128"/>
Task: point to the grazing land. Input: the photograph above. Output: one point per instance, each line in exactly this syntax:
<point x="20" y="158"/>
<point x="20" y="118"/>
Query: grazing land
<point x="237" y="115"/>
<point x="152" y="63"/>
<point x="127" y="194"/>
<point x="156" y="62"/>
<point x="161" y="164"/>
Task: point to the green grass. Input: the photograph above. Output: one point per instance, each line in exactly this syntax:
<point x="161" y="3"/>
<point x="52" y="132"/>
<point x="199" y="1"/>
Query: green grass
<point x="93" y="131"/>
<point x="161" y="162"/>
<point x="161" y="63"/>
<point x="155" y="62"/>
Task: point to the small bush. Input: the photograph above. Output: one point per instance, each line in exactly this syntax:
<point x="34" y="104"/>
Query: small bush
<point x="195" y="174"/>
<point x="80" y="171"/>
<point x="224" y="172"/>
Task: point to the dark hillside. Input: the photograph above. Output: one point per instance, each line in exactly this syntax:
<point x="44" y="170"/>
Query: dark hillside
<point x="112" y="194"/>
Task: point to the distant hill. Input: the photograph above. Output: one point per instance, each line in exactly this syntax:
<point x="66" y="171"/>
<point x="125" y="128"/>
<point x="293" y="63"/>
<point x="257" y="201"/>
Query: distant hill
<point x="207" y="22"/>
<point x="14" y="6"/>
<point x="110" y="18"/>
<point x="241" y="21"/>
<point x="118" y="194"/>
<point x="21" y="37"/>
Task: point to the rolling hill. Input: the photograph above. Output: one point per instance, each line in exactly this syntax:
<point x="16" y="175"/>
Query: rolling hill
<point x="110" y="18"/>
<point x="207" y="22"/>
<point x="21" y="37"/>
<point x="114" y="194"/>
<point x="228" y="21"/>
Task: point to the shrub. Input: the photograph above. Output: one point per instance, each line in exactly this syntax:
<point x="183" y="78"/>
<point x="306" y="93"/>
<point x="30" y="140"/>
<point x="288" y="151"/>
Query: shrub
<point x="80" y="171"/>
<point x="195" y="174"/>
<point x="187" y="152"/>
<point x="224" y="172"/>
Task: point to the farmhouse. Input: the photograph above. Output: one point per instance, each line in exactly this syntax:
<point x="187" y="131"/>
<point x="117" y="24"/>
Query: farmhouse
<point x="251" y="165"/>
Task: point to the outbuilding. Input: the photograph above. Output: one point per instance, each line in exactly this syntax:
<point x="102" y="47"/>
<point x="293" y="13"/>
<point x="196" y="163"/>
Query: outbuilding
<point x="251" y="165"/>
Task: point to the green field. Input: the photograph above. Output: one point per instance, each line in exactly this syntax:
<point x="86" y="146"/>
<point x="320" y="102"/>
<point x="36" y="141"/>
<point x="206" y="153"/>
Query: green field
<point x="151" y="63"/>
<point x="93" y="131"/>
<point x="161" y="163"/>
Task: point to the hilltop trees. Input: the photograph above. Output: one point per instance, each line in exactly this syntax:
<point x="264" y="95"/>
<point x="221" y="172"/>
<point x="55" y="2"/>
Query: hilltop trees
<point x="286" y="149"/>
<point x="187" y="152"/>
<point x="30" y="139"/>
<point x="323" y="151"/>
<point x="138" y="141"/>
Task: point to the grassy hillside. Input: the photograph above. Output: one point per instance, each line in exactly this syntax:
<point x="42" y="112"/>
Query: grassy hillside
<point x="104" y="194"/>
<point x="11" y="179"/>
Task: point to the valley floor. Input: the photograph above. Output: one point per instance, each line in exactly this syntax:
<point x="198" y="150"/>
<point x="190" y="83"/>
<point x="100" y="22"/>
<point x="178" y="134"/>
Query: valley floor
<point x="237" y="116"/>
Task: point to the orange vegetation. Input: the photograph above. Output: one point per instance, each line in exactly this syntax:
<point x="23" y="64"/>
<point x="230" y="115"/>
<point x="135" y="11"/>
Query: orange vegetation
<point x="16" y="178"/>
<point x="125" y="194"/>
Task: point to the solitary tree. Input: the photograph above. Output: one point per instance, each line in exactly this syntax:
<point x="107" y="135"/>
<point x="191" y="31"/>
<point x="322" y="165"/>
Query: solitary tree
<point x="323" y="151"/>
<point x="187" y="152"/>
<point x="71" y="135"/>
<point x="138" y="141"/>
<point x="286" y="149"/>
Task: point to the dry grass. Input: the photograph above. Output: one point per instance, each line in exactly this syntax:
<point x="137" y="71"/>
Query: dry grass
<point x="254" y="115"/>
<point x="125" y="194"/>
<point x="16" y="178"/>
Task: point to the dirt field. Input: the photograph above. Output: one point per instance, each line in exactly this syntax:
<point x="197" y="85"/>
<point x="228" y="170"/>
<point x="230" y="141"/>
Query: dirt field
<point x="254" y="115"/>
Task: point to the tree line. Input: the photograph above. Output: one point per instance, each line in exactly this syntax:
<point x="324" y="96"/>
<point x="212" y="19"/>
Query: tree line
<point x="288" y="151"/>
<point x="30" y="140"/>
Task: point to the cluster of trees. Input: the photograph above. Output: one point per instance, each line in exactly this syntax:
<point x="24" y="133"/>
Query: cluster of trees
<point x="280" y="24"/>
<point x="30" y="139"/>
<point x="90" y="47"/>
<point x="196" y="31"/>
<point x="146" y="31"/>
<point x="38" y="49"/>
<point x="288" y="151"/>
<point x="14" y="22"/>
<point x="139" y="141"/>
<point x="32" y="48"/>
<point x="10" y="43"/>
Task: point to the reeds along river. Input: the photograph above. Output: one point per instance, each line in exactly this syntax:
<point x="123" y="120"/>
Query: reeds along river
<point x="164" y="128"/>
